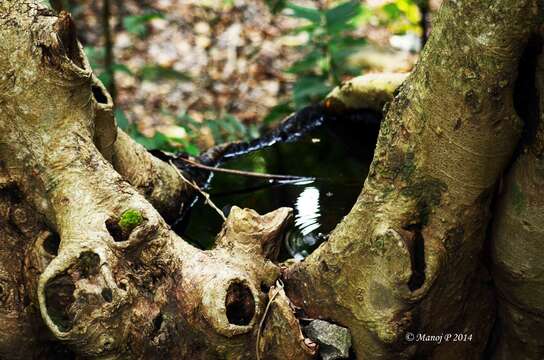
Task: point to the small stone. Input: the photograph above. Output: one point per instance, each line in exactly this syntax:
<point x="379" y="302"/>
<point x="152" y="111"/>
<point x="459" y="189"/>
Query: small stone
<point x="334" y="341"/>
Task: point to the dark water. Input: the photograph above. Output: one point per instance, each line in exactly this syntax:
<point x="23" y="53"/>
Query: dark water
<point x="336" y="154"/>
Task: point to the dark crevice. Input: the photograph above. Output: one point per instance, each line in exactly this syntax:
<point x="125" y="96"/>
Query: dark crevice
<point x="417" y="257"/>
<point x="51" y="244"/>
<point x="239" y="304"/>
<point x="57" y="351"/>
<point x="418" y="263"/>
<point x="99" y="95"/>
<point x="107" y="294"/>
<point x="265" y="288"/>
<point x="12" y="193"/>
<point x="526" y="97"/>
<point x="89" y="264"/>
<point x="115" y="230"/>
<point x="157" y="323"/>
<point x="66" y="30"/>
<point x="59" y="297"/>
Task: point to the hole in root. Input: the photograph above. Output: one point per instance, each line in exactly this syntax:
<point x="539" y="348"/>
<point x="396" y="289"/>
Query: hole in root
<point x="240" y="304"/>
<point x="51" y="244"/>
<point x="99" y="95"/>
<point x="115" y="230"/>
<point x="265" y="288"/>
<point x="59" y="296"/>
<point x="157" y="322"/>
<point x="89" y="263"/>
<point x="418" y="261"/>
<point x="107" y="294"/>
<point x="525" y="89"/>
<point x="66" y="31"/>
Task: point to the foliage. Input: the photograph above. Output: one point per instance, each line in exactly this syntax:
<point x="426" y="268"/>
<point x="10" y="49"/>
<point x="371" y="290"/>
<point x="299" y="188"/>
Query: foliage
<point x="276" y="5"/>
<point x="138" y="24"/>
<point x="329" y="43"/>
<point x="223" y="129"/>
<point x="152" y="72"/>
<point x="401" y="16"/>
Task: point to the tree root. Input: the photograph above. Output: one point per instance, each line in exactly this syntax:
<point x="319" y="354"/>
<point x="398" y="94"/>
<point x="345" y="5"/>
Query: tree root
<point x="152" y="177"/>
<point x="119" y="283"/>
<point x="406" y="258"/>
<point x="517" y="243"/>
<point x="371" y="91"/>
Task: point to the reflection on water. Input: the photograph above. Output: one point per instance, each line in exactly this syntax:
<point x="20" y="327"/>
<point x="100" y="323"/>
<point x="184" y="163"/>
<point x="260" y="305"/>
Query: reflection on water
<point x="338" y="160"/>
<point x="307" y="220"/>
<point x="307" y="210"/>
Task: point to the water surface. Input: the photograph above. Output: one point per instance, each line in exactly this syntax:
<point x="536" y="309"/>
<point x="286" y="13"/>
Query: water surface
<point x="336" y="154"/>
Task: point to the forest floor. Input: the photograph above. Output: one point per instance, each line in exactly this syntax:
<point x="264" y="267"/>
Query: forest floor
<point x="202" y="58"/>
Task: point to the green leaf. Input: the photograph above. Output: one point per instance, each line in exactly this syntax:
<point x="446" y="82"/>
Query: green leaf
<point x="46" y="3"/>
<point x="337" y="18"/>
<point x="278" y="112"/>
<point x="302" y="12"/>
<point x="137" y="24"/>
<point x="95" y="55"/>
<point x="187" y="122"/>
<point x="308" y="63"/>
<point x="392" y="11"/>
<point x="236" y="125"/>
<point x="121" y="119"/>
<point x="343" y="47"/>
<point x="310" y="89"/>
<point x="348" y="41"/>
<point x="215" y="130"/>
<point x="187" y="146"/>
<point x="121" y="68"/>
<point x="310" y="28"/>
<point x="276" y="6"/>
<point x="410" y="10"/>
<point x="158" y="72"/>
<point x="158" y="142"/>
<point x="105" y="78"/>
<point x="130" y="219"/>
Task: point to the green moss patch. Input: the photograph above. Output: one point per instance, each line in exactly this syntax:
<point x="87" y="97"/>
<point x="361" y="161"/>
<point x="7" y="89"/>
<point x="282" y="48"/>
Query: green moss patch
<point x="130" y="219"/>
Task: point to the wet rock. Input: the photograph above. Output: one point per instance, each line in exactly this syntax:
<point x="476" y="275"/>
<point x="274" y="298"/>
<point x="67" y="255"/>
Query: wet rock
<point x="334" y="341"/>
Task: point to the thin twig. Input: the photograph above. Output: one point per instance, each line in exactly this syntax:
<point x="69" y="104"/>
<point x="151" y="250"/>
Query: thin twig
<point x="197" y="188"/>
<point x="279" y="287"/>
<point x="245" y="173"/>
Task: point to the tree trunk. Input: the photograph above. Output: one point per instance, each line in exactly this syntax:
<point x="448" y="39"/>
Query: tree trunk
<point x="97" y="266"/>
<point x="518" y="232"/>
<point x="406" y="260"/>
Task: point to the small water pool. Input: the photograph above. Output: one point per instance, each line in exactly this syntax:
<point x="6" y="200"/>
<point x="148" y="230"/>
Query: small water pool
<point x="335" y="151"/>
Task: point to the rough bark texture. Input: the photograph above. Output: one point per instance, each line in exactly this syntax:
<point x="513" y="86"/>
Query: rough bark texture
<point x="105" y="275"/>
<point x="118" y="283"/>
<point x="518" y="241"/>
<point x="156" y="180"/>
<point x="406" y="258"/>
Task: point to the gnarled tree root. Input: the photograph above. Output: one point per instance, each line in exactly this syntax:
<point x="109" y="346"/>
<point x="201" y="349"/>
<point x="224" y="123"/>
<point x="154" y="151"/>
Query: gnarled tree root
<point x="405" y="260"/>
<point x="518" y="241"/>
<point x="118" y="283"/>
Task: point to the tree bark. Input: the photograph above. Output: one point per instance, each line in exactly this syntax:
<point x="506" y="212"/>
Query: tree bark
<point x="518" y="237"/>
<point x="406" y="258"/>
<point x="121" y="284"/>
<point x="101" y="270"/>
